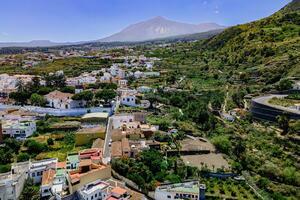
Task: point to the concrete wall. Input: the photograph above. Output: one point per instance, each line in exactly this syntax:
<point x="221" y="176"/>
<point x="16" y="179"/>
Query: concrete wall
<point x="269" y="113"/>
<point x="90" y="177"/>
<point x="85" y="138"/>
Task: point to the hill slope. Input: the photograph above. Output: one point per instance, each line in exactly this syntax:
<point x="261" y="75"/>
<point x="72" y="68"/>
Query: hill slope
<point x="264" y="51"/>
<point x="158" y="27"/>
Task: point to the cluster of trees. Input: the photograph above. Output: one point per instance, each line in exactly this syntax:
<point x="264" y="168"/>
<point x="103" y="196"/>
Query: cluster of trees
<point x="151" y="168"/>
<point x="194" y="107"/>
<point x="89" y="96"/>
<point x="34" y="91"/>
<point x="8" y="150"/>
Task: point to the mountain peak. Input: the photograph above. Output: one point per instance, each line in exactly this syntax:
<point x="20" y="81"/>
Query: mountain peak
<point x="159" y="18"/>
<point x="158" y="27"/>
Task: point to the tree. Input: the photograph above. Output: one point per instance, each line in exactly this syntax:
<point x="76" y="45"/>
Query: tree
<point x="55" y="80"/>
<point x="12" y="144"/>
<point x="20" y="97"/>
<point x="30" y="191"/>
<point x="5" y="156"/>
<point x="43" y="90"/>
<point x="106" y="94"/>
<point x="20" y="86"/>
<point x="284" y="84"/>
<point x="85" y="95"/>
<point x="37" y="100"/>
<point x="23" y="157"/>
<point x="69" y="139"/>
<point x="34" y="85"/>
<point x="222" y="143"/>
<point x="283" y="123"/>
<point x="68" y="89"/>
<point x="34" y="147"/>
<point x="50" y="141"/>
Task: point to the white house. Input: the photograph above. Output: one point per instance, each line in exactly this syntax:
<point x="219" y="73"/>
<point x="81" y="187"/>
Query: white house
<point x="138" y="74"/>
<point x="120" y="119"/>
<point x="18" y="129"/>
<point x="37" y="168"/>
<point x="114" y="70"/>
<point x="122" y="83"/>
<point x="60" y="100"/>
<point x="128" y="99"/>
<point x="95" y="190"/>
<point x="12" y="183"/>
<point x="188" y="190"/>
<point x="149" y="65"/>
<point x="144" y="89"/>
<point x="106" y="77"/>
<point x="121" y="74"/>
<point x="47" y="182"/>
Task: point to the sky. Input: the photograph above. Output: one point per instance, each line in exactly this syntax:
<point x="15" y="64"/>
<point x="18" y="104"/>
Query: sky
<point x="83" y="20"/>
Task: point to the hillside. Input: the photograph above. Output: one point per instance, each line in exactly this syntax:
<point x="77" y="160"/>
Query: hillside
<point x="261" y="52"/>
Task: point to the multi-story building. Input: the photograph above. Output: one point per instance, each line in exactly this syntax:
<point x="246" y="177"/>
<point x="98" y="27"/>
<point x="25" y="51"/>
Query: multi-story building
<point x="18" y="129"/>
<point x="38" y="167"/>
<point x="12" y="183"/>
<point x="95" y="190"/>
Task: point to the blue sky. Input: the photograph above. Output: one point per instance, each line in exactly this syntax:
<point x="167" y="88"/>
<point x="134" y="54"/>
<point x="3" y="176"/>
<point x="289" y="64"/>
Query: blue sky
<point x="77" y="20"/>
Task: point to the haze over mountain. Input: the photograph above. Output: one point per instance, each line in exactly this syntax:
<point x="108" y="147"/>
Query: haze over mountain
<point x="34" y="43"/>
<point x="159" y="27"/>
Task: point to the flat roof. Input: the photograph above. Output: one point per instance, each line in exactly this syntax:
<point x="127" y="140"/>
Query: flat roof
<point x="189" y="187"/>
<point x="73" y="158"/>
<point x="94" y="187"/>
<point x="103" y="115"/>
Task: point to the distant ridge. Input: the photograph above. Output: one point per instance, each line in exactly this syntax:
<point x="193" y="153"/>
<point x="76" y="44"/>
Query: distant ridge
<point x="34" y="43"/>
<point x="158" y="27"/>
<point x="155" y="28"/>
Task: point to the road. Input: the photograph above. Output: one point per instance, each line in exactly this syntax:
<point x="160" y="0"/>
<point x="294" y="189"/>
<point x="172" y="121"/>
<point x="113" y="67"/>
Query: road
<point x="108" y="135"/>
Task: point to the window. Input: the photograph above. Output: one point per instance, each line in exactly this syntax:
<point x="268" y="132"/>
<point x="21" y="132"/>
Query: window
<point x="33" y="174"/>
<point x="96" y="195"/>
<point x="169" y="196"/>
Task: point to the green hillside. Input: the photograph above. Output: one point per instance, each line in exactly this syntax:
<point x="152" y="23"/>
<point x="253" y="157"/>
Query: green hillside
<point x="257" y="53"/>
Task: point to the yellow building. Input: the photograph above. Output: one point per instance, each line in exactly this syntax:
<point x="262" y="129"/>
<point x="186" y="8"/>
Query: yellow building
<point x="88" y="135"/>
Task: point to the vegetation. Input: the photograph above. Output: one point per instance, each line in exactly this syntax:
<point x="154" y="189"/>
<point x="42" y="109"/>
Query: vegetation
<point x="151" y="168"/>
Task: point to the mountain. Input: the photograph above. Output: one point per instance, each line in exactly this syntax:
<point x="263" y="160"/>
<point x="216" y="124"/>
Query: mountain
<point x="158" y="27"/>
<point x="34" y="43"/>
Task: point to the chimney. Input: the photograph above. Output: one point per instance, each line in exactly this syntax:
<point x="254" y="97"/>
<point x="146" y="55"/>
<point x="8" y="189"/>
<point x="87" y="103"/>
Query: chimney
<point x="201" y="192"/>
<point x="1" y="133"/>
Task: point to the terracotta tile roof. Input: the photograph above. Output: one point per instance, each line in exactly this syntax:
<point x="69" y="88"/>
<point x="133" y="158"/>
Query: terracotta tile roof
<point x="48" y="177"/>
<point x="61" y="165"/>
<point x="116" y="149"/>
<point x="112" y="198"/>
<point x="86" y="162"/>
<point x="119" y="191"/>
<point x="59" y="95"/>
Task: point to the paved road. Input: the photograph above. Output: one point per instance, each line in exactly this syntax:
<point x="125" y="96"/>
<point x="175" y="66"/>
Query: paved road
<point x="107" y="141"/>
<point x="106" y="148"/>
<point x="264" y="100"/>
